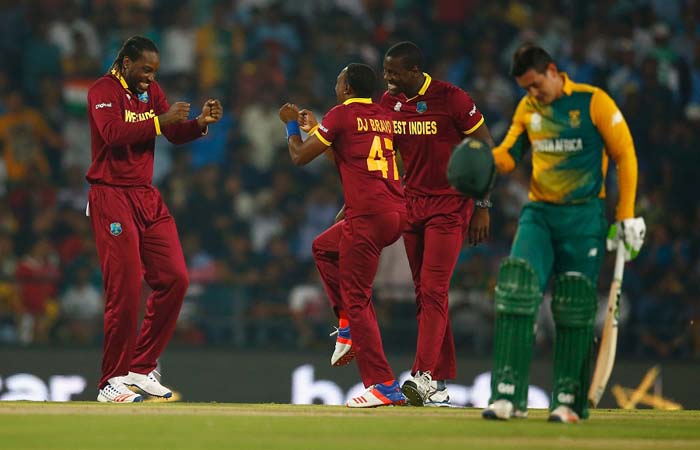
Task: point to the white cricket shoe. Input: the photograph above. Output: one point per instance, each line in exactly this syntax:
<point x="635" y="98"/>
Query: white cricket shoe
<point x="343" y="353"/>
<point x="500" y="409"/>
<point x="117" y="392"/>
<point x="439" y="398"/>
<point x="148" y="384"/>
<point x="563" y="414"/>
<point x="418" y="388"/>
<point x="503" y="410"/>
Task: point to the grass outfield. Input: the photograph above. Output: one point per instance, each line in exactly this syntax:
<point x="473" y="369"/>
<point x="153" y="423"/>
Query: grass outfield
<point x="156" y="426"/>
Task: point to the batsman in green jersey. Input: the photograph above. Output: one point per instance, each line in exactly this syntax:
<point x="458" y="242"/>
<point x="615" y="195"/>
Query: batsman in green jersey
<point x="572" y="130"/>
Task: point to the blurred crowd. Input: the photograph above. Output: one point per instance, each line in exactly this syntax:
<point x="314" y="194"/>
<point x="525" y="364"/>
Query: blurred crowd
<point x="247" y="217"/>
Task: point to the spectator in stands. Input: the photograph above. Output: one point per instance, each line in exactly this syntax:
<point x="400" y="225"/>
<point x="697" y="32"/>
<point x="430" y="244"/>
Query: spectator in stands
<point x="25" y="136"/>
<point x="81" y="308"/>
<point x="37" y="276"/>
<point x="10" y="306"/>
<point x="309" y="310"/>
<point x="664" y="330"/>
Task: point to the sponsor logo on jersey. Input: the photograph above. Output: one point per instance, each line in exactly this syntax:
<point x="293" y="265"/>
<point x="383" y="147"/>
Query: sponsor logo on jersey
<point x="560" y="145"/>
<point x="130" y="116"/>
<point x="421" y="107"/>
<point x="567" y="399"/>
<point x="115" y="228"/>
<point x="616" y="118"/>
<point x="397" y="106"/>
<point x="103" y="105"/>
<point x="575" y="118"/>
<point x="506" y="388"/>
<point x="535" y="122"/>
<point x="472" y="111"/>
<point x="322" y="128"/>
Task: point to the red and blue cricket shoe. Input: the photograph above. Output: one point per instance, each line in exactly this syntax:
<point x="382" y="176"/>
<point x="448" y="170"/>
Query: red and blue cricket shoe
<point x="382" y="394"/>
<point x="343" y="352"/>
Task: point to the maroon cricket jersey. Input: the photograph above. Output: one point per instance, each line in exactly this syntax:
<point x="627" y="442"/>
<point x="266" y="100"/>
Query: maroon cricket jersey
<point x="427" y="127"/>
<point x="123" y="130"/>
<point x="361" y="135"/>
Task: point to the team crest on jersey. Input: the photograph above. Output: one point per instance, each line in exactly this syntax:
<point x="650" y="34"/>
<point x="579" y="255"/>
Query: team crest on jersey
<point x="115" y="228"/>
<point x="143" y="96"/>
<point x="421" y="107"/>
<point x="535" y="122"/>
<point x="575" y="118"/>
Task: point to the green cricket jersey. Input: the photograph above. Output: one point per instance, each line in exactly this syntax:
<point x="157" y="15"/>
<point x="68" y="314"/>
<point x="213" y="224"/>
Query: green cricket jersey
<point x="571" y="139"/>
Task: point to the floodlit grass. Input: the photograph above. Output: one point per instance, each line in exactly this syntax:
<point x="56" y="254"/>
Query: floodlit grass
<point x="155" y="426"/>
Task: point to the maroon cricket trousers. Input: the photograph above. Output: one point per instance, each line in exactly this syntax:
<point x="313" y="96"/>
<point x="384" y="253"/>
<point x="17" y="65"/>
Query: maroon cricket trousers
<point x="433" y="240"/>
<point x="136" y="239"/>
<point x="347" y="256"/>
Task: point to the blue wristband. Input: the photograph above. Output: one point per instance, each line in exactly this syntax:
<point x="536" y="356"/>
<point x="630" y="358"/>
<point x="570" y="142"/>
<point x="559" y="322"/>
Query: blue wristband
<point x="293" y="129"/>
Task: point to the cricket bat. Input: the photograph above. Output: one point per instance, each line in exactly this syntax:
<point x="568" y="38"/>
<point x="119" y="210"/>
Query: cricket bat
<point x="608" y="341"/>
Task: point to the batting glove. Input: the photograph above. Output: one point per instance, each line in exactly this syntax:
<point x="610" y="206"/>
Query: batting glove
<point x="628" y="232"/>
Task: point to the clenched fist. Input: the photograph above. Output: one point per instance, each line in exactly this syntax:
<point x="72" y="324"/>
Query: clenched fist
<point x="178" y="113"/>
<point x="289" y="111"/>
<point x="212" y="111"/>
<point x="307" y="120"/>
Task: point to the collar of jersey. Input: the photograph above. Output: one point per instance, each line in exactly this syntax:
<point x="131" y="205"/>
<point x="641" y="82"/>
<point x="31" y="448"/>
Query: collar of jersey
<point x="357" y="100"/>
<point x="121" y="79"/>
<point x="568" y="84"/>
<point x="423" y="88"/>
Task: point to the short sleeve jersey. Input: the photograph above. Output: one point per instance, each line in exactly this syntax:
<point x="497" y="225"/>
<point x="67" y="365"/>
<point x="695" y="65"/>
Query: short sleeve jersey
<point x="361" y="135"/>
<point x="427" y="127"/>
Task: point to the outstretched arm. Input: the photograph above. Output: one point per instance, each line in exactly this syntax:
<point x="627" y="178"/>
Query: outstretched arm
<point x="301" y="152"/>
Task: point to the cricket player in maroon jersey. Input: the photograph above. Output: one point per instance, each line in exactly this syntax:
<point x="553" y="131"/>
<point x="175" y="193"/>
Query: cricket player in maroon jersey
<point x="135" y="234"/>
<point x="430" y="118"/>
<point x="347" y="254"/>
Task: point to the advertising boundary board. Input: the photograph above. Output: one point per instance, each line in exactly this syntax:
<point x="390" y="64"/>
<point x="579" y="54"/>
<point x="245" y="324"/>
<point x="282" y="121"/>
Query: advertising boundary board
<point x="296" y="377"/>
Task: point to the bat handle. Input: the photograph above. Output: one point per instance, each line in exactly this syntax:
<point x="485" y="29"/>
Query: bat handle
<point x="619" y="261"/>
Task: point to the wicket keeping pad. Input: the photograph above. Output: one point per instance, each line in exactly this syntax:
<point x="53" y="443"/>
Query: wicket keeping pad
<point x="574" y="306"/>
<point x="471" y="169"/>
<point x="517" y="299"/>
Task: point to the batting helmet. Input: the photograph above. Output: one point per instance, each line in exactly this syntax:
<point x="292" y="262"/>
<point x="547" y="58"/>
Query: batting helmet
<point x="471" y="169"/>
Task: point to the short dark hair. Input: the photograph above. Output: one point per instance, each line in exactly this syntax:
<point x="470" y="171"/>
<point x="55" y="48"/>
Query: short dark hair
<point x="134" y="48"/>
<point x="408" y="53"/>
<point x="361" y="79"/>
<point x="528" y="57"/>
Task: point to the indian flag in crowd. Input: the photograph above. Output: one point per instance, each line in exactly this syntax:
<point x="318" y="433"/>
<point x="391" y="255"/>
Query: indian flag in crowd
<point x="75" y="95"/>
